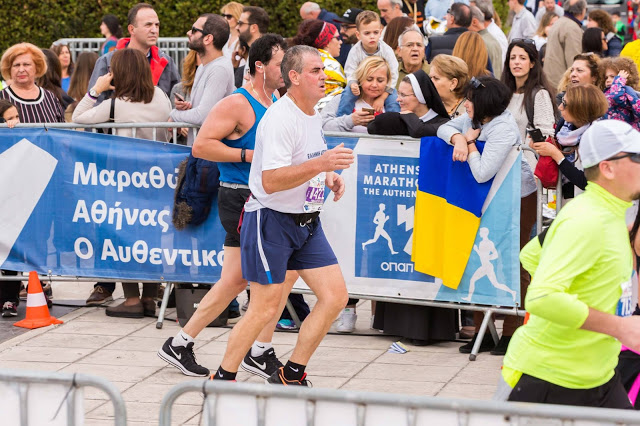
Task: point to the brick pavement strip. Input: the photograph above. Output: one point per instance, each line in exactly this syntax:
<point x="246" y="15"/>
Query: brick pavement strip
<point x="123" y="352"/>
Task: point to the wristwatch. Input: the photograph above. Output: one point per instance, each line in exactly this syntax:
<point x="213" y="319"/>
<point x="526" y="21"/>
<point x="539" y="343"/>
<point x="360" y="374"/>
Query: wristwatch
<point x="93" y="93"/>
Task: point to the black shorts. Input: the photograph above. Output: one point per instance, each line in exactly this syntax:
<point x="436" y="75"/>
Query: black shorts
<point x="230" y="205"/>
<point x="609" y="395"/>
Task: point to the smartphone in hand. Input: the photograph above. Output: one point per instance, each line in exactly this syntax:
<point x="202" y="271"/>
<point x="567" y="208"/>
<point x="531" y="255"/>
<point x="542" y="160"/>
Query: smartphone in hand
<point x="536" y="135"/>
<point x="179" y="97"/>
<point x="371" y="111"/>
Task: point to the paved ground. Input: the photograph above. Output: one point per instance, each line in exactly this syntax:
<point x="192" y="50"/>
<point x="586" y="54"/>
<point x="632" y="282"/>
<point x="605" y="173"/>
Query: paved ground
<point x="124" y="352"/>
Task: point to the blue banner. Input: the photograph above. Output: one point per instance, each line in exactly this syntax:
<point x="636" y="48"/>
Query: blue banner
<point x="84" y="204"/>
<point x="94" y="205"/>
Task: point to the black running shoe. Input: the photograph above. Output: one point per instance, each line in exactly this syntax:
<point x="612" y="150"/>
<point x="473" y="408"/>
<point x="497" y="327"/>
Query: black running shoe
<point x="182" y="358"/>
<point x="9" y="309"/>
<point x="264" y="365"/>
<point x="277" y="378"/>
<point x="486" y="345"/>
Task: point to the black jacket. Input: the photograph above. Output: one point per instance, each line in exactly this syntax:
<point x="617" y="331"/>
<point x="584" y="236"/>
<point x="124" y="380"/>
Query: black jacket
<point x="443" y="43"/>
<point x="394" y="123"/>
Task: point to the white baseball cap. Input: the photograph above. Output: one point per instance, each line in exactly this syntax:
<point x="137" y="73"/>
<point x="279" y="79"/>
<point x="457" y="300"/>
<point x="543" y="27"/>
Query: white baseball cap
<point x="606" y="138"/>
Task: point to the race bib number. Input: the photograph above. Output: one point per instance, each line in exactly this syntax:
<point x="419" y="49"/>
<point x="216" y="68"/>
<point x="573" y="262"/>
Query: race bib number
<point x="625" y="303"/>
<point x="315" y="194"/>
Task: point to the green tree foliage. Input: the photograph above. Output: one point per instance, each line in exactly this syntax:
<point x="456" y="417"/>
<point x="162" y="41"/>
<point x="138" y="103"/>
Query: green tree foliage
<point x="43" y="22"/>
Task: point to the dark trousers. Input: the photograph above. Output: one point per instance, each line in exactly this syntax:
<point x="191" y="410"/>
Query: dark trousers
<point x="609" y="395"/>
<point x="9" y="290"/>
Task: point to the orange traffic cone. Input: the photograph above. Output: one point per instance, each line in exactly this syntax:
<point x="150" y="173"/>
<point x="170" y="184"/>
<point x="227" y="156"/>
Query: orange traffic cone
<point x="37" y="311"/>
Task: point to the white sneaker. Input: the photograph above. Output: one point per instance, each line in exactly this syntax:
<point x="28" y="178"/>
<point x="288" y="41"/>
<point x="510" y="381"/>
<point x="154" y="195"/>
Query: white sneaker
<point x="346" y="321"/>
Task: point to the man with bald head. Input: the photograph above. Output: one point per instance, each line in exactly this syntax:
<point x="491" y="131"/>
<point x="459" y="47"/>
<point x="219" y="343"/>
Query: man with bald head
<point x="311" y="10"/>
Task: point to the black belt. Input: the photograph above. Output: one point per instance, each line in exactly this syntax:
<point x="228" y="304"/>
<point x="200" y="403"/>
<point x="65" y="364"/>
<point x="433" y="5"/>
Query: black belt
<point x="303" y="219"/>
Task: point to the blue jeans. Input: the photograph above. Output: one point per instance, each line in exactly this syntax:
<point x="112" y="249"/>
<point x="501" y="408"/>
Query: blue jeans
<point x="348" y="102"/>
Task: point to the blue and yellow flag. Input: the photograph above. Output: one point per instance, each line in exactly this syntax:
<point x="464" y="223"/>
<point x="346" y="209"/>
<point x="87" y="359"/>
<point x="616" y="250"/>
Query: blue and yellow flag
<point x="448" y="208"/>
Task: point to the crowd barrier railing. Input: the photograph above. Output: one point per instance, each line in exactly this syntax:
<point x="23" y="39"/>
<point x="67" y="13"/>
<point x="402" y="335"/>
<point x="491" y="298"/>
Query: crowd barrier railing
<point x="488" y="311"/>
<point x="248" y="404"/>
<point x="36" y="397"/>
<point x="175" y="47"/>
<point x="174" y="126"/>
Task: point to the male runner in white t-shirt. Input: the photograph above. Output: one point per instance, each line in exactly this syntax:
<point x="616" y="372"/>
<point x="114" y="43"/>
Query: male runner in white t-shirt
<point x="281" y="229"/>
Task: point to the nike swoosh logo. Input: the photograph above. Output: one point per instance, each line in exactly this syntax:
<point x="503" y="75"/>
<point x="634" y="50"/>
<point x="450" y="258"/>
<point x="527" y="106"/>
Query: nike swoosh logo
<point x="175" y="354"/>
<point x="262" y="366"/>
<point x="294" y="369"/>
<point x="219" y="374"/>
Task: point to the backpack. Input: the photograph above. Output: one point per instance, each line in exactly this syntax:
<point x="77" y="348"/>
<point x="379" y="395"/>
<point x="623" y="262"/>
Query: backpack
<point x="198" y="182"/>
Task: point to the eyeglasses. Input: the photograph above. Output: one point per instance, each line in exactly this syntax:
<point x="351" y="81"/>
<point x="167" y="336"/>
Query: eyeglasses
<point x="198" y="30"/>
<point x="240" y="23"/>
<point x="475" y="83"/>
<point x="633" y="156"/>
<point x="412" y="45"/>
<point x="405" y="95"/>
<point x="564" y="103"/>
<point x="523" y="40"/>
<point x="348" y="26"/>
<point x="449" y="11"/>
<point x="227" y="16"/>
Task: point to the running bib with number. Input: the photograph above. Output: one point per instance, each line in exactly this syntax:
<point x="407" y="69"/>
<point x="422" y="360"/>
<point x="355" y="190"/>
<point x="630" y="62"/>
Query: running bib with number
<point x="625" y="304"/>
<point x="315" y="194"/>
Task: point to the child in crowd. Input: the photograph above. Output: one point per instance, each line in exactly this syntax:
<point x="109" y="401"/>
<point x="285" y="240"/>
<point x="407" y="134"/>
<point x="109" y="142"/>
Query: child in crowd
<point x="368" y="31"/>
<point x="621" y="81"/>
<point x="9" y="113"/>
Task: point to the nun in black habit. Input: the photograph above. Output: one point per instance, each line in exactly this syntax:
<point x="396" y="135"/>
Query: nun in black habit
<point x="422" y="113"/>
<point x="422" y="110"/>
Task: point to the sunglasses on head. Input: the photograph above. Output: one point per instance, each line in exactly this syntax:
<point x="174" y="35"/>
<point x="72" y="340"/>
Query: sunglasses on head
<point x="475" y="83"/>
<point x="524" y="40"/>
<point x="633" y="156"/>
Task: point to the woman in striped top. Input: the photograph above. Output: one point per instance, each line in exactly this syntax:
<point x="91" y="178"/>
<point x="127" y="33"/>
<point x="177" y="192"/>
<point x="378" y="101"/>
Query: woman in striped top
<point x="21" y="64"/>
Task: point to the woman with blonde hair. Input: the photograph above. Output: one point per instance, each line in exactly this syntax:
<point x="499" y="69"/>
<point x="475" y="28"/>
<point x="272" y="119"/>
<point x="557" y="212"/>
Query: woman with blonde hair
<point x="374" y="78"/>
<point x="547" y="21"/>
<point x="473" y="51"/>
<point x="450" y="75"/>
<point x="231" y="12"/>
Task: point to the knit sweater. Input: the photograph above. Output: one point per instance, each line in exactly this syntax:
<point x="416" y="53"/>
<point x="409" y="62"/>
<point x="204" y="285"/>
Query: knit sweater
<point x="127" y="112"/>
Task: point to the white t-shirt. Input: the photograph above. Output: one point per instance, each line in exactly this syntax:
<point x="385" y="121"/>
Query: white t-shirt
<point x="286" y="136"/>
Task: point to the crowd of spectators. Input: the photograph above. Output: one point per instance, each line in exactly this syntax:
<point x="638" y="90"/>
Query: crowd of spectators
<point x="558" y="69"/>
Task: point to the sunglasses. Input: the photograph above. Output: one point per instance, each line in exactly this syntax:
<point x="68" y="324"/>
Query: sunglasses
<point x="633" y="156"/>
<point x="524" y="40"/>
<point x="240" y="23"/>
<point x="475" y="83"/>
<point x="227" y="16"/>
<point x="198" y="30"/>
<point x="563" y="103"/>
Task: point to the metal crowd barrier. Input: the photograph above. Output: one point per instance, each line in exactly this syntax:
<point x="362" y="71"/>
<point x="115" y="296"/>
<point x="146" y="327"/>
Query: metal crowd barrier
<point x="175" y="47"/>
<point x="247" y="404"/>
<point x="487" y="310"/>
<point x="25" y="385"/>
<point x="109" y="126"/>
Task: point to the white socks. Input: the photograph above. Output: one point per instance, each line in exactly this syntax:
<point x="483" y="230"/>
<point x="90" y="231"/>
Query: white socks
<point x="259" y="348"/>
<point x="181" y="339"/>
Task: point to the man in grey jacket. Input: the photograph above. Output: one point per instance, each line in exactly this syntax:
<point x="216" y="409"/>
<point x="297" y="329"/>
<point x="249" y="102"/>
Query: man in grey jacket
<point x="144" y="28"/>
<point x="214" y="78"/>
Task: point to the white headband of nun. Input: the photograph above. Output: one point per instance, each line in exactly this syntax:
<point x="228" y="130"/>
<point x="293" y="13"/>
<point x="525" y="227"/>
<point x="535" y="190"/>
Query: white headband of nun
<point x="416" y="89"/>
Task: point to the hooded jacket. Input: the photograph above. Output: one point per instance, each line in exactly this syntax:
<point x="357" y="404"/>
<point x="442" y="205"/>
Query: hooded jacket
<point x="163" y="70"/>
